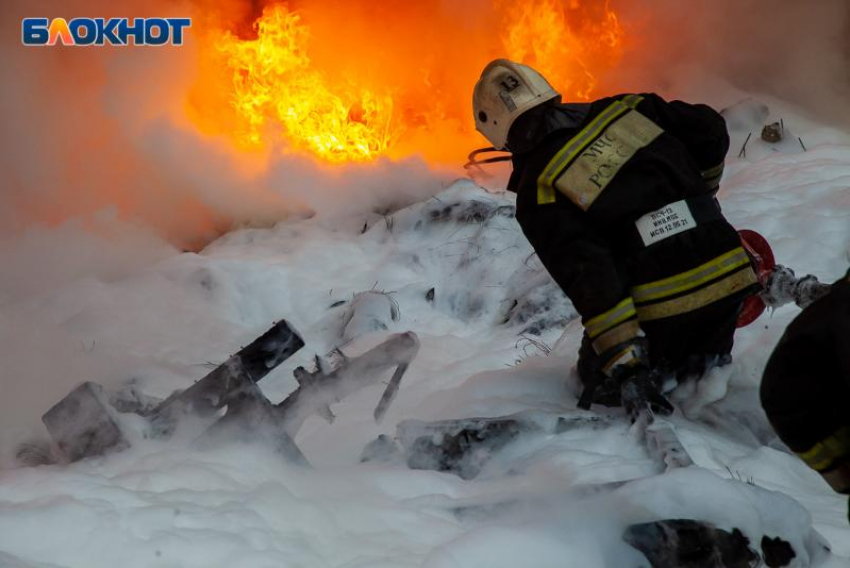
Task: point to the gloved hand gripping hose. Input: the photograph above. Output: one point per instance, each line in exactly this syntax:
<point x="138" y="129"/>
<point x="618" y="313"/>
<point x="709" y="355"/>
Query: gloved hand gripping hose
<point x="639" y="392"/>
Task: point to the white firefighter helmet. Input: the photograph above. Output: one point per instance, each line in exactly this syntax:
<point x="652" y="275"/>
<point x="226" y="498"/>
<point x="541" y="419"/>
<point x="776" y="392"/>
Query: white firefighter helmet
<point x="506" y="90"/>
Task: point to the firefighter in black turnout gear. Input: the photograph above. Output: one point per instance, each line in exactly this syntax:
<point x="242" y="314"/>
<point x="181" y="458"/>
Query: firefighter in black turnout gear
<point x="617" y="197"/>
<point x="805" y="390"/>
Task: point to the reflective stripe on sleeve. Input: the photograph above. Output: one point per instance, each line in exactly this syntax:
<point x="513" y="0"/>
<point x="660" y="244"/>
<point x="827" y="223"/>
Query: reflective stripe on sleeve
<point x="618" y="334"/>
<point x="740" y="280"/>
<point x="684" y="281"/>
<point x="712" y="176"/>
<point x="605" y="321"/>
<point x="713" y="172"/>
<point x="628" y="356"/>
<point x="829" y="450"/>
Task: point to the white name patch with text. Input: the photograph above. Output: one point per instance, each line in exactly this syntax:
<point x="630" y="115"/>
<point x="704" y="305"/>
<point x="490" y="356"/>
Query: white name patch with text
<point x="672" y="219"/>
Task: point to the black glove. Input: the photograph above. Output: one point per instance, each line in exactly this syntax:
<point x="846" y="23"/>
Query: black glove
<point x="639" y="391"/>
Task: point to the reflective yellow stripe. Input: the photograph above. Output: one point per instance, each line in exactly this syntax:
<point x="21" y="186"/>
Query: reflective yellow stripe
<point x="824" y="453"/>
<point x="684" y="281"/>
<point x="632" y="101"/>
<point x="702" y="297"/>
<point x="545" y="182"/>
<point x="627" y="356"/>
<point x="713" y="172"/>
<point x="603" y="322"/>
<point x="616" y="335"/>
<point x="712" y="176"/>
<point x="598" y="163"/>
<point x="579" y="141"/>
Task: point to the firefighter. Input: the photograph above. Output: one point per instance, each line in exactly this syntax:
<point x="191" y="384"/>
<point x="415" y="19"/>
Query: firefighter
<point x="617" y="197"/>
<point x="805" y="390"/>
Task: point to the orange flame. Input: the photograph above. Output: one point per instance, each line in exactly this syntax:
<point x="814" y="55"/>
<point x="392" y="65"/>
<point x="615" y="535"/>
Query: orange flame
<point x="273" y="79"/>
<point x="352" y="82"/>
<point x="564" y="43"/>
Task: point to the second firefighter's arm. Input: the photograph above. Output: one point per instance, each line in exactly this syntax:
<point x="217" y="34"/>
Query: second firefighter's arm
<point x="841" y="323"/>
<point x="582" y="264"/>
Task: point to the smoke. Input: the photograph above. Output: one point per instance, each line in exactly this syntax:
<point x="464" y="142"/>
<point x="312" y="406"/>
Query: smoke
<point x="86" y="129"/>
<point x="103" y="175"/>
<point x="103" y="172"/>
<point x="93" y="128"/>
<point x="795" y="51"/>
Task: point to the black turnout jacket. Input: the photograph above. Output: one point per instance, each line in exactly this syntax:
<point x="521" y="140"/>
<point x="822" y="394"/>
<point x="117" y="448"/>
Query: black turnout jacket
<point x="619" y="206"/>
<point x="805" y="390"/>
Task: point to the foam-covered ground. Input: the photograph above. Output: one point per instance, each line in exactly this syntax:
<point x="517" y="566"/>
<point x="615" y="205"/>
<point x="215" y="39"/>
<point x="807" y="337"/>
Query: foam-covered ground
<point x="497" y="338"/>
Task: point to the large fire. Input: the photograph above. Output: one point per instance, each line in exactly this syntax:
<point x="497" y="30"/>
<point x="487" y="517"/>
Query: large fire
<point x="274" y="79"/>
<point x="352" y="82"/>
